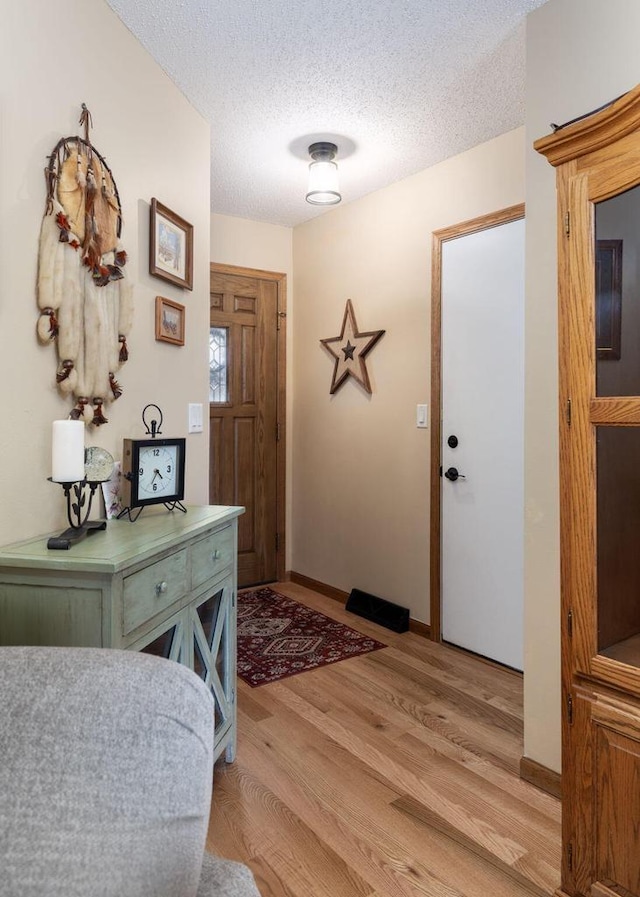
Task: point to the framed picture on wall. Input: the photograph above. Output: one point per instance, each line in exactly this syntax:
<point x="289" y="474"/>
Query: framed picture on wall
<point x="170" y="246"/>
<point x="169" y="321"/>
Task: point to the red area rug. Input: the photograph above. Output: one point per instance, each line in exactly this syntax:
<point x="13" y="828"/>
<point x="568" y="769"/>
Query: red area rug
<point x="278" y="637"/>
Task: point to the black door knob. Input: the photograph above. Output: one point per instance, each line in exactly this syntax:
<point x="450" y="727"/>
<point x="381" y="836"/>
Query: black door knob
<point x="453" y="475"/>
<point x="452" y="441"/>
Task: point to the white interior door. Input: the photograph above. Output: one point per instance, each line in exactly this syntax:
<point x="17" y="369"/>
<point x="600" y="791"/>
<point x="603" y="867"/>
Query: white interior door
<point x="482" y="524"/>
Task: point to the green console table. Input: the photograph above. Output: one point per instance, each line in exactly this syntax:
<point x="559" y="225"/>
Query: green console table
<point x="165" y="584"/>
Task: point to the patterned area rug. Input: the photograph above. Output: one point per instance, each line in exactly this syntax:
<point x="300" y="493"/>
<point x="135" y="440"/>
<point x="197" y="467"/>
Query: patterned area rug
<point x="277" y="637"/>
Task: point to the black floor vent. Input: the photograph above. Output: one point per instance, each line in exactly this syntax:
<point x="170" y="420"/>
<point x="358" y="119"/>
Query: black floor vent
<point x="385" y="613"/>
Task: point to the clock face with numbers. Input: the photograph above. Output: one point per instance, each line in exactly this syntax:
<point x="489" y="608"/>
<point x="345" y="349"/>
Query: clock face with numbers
<point x="153" y="471"/>
<point x="157" y="470"/>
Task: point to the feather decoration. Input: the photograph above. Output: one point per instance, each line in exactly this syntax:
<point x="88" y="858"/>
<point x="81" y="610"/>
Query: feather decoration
<point x="82" y="411"/>
<point x="91" y="255"/>
<point x="70" y="314"/>
<point x="43" y="328"/>
<point x="114" y="272"/>
<point x="81" y="179"/>
<point x="51" y="179"/>
<point x="125" y="314"/>
<point x="65" y="370"/>
<point x="116" y="389"/>
<point x="47" y="326"/>
<point x="111" y="293"/>
<point x="92" y="187"/>
<point x="112" y="202"/>
<point x="67" y="377"/>
<point x="98" y="306"/>
<point x="85" y="299"/>
<point x="98" y="416"/>
<point x="57" y="275"/>
<point x="46" y="260"/>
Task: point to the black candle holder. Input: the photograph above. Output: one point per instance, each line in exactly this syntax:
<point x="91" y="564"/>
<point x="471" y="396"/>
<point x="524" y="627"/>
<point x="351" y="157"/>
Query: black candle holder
<point x="79" y="495"/>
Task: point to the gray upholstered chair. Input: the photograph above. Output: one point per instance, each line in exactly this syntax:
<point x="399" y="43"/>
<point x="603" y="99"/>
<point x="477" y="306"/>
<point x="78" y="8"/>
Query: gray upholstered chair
<point x="105" y="778"/>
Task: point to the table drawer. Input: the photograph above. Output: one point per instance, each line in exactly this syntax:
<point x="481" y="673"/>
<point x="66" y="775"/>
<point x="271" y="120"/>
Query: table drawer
<point x="151" y="590"/>
<point x="211" y="555"/>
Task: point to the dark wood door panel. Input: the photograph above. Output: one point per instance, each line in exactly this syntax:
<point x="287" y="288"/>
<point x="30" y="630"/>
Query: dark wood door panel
<point x="244" y="450"/>
<point x="244" y="459"/>
<point x="247" y="393"/>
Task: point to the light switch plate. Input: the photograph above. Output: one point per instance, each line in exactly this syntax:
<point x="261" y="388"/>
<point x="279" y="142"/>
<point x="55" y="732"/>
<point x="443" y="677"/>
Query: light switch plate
<point x="195" y="417"/>
<point x="422" y="416"/>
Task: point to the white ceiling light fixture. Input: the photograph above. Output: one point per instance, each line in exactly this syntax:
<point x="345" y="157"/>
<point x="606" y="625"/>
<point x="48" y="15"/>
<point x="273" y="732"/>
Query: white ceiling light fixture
<point x="323" y="175"/>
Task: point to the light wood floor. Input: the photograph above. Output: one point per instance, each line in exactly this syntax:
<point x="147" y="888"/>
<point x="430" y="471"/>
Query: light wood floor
<point x="391" y="774"/>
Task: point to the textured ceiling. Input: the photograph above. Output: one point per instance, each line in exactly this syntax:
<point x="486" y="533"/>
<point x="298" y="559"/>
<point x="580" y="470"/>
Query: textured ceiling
<point x="398" y="85"/>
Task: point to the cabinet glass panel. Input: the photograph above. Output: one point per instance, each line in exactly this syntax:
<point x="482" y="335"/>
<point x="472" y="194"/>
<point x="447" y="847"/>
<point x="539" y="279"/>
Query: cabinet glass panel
<point x="618" y="542"/>
<point x="211" y="651"/>
<point x="166" y="645"/>
<point x="617" y="282"/>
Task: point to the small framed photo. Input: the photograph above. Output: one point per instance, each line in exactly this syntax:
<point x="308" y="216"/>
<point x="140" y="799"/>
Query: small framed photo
<point x="170" y="246"/>
<point x="169" y="321"/>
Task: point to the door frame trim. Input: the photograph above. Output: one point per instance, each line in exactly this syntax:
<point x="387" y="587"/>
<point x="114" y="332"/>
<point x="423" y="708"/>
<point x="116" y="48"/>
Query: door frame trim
<point x="280" y="280"/>
<point x="438" y="237"/>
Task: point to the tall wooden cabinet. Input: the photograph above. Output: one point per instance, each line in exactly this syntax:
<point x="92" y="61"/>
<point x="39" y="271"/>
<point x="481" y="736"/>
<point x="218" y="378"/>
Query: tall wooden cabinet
<point x="598" y="177"/>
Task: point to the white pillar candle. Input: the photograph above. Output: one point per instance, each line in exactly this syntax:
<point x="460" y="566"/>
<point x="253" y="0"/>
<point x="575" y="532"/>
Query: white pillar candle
<point x="67" y="451"/>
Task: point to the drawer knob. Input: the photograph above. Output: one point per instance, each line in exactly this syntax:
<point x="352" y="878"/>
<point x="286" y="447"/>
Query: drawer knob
<point x="161" y="588"/>
<point x="216" y="554"/>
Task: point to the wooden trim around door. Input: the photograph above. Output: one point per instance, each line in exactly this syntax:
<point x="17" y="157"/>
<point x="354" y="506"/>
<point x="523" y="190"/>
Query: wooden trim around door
<point x="281" y="447"/>
<point x="513" y="213"/>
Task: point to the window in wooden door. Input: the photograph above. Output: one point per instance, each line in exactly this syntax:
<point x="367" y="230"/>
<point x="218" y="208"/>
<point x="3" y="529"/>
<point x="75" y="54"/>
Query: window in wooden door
<point x="218" y="365"/>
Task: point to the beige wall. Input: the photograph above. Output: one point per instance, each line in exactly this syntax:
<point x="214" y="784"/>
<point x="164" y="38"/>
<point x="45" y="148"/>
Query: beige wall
<point x="360" y="465"/>
<point x="252" y="244"/>
<point x="269" y="247"/>
<point x="156" y="145"/>
<point x="579" y="56"/>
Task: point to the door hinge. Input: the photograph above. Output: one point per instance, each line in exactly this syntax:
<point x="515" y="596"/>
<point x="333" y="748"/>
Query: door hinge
<point x="277" y="542"/>
<point x="567" y="224"/>
<point x="568" y="412"/>
<point x="570" y="624"/>
<point x="278" y="432"/>
<point x="570" y="856"/>
<point x="570" y="709"/>
<point x="279" y="317"/>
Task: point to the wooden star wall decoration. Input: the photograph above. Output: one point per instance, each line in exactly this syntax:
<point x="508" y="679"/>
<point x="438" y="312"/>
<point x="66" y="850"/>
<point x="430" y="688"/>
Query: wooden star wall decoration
<point x="350" y="350"/>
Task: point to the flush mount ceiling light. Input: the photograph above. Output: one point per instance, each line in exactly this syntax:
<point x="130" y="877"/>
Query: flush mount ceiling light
<point x="323" y="175"/>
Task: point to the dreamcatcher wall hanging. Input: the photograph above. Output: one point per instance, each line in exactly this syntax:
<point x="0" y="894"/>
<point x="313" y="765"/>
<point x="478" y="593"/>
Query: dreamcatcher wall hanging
<point x="85" y="301"/>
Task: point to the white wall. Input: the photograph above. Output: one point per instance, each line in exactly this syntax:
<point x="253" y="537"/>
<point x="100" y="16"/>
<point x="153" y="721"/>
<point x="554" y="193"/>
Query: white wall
<point x="580" y="54"/>
<point x="51" y="61"/>
<point x="267" y="247"/>
<point x="361" y="467"/>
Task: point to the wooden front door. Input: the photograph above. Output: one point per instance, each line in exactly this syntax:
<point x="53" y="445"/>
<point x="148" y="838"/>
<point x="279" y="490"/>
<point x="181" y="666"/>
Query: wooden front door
<point x="245" y="403"/>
